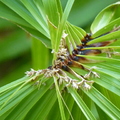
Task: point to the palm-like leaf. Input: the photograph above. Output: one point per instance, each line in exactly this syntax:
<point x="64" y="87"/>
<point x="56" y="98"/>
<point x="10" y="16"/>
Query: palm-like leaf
<point x="36" y="96"/>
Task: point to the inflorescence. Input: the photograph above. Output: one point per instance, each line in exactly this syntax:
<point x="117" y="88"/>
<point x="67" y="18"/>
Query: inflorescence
<point x="65" y="61"/>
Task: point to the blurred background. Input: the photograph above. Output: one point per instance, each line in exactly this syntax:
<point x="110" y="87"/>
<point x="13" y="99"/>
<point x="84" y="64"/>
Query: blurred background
<point x="16" y="45"/>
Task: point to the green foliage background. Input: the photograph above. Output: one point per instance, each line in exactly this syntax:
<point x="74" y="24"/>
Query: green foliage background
<point x="16" y="45"/>
<point x="19" y="52"/>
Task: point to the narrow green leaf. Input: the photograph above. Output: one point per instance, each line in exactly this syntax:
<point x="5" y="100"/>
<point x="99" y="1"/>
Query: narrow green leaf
<point x="45" y="40"/>
<point x="29" y="102"/>
<point x="113" y="60"/>
<point x="76" y="35"/>
<point x="83" y="12"/>
<point x="104" y="103"/>
<point x="6" y="114"/>
<point x="69" y="45"/>
<point x="81" y="104"/>
<point x="110" y="69"/>
<point x="45" y="104"/>
<point x="5" y="95"/>
<point x="40" y="55"/>
<point x="13" y="84"/>
<point x="53" y="14"/>
<point x="111" y="36"/>
<point x="102" y="114"/>
<point x="107" y="28"/>
<point x="41" y="9"/>
<point x="108" y="82"/>
<point x="59" y="99"/>
<point x="79" y="31"/>
<point x="69" y="102"/>
<point x="36" y="14"/>
<point x="105" y="17"/>
<point x="21" y="22"/>
<point x="14" y="99"/>
<point x="17" y="7"/>
<point x="62" y="23"/>
<point x="76" y="112"/>
<point x="12" y="16"/>
<point x="54" y="113"/>
<point x="70" y="38"/>
<point x="106" y="47"/>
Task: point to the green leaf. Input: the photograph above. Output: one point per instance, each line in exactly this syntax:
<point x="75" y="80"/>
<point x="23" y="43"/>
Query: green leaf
<point x="24" y="19"/>
<point x="70" y="38"/>
<point x="83" y="12"/>
<point x="34" y="33"/>
<point x="69" y="105"/>
<point x="33" y="99"/>
<point x="36" y="14"/>
<point x="76" y="33"/>
<point x="13" y="84"/>
<point x="107" y="28"/>
<point x="104" y="103"/>
<point x="53" y="13"/>
<point x="12" y="16"/>
<point x="107" y="15"/>
<point x="17" y="7"/>
<point x="109" y="83"/>
<point x="40" y="55"/>
<point x="111" y="36"/>
<point x="81" y="104"/>
<point x="45" y="20"/>
<point x="106" y="47"/>
<point x="15" y="99"/>
<point x="45" y="105"/>
<point x="19" y="94"/>
<point x="62" y="23"/>
<point x="59" y="96"/>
